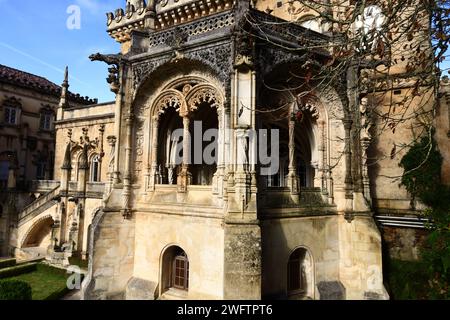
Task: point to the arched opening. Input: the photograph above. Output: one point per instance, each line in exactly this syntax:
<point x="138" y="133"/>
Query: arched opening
<point x="305" y="128"/>
<point x="300" y="282"/>
<point x="175" y="270"/>
<point x="290" y="102"/>
<point x="39" y="235"/>
<point x="203" y="130"/>
<point x="185" y="106"/>
<point x="95" y="168"/>
<point x="170" y="139"/>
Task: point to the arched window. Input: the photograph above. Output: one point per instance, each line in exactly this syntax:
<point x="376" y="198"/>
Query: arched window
<point x="180" y="271"/>
<point x="296" y="273"/>
<point x="95" y="169"/>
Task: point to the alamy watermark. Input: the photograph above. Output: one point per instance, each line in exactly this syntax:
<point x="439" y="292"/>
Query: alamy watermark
<point x="73" y="21"/>
<point x="253" y="147"/>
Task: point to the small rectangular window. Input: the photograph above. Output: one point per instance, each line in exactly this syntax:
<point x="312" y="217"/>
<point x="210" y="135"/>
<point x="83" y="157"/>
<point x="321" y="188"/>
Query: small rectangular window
<point x="10" y="115"/>
<point x="46" y="121"/>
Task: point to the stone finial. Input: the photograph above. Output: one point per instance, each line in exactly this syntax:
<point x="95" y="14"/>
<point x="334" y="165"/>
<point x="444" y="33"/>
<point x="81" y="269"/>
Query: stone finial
<point x="63" y="102"/>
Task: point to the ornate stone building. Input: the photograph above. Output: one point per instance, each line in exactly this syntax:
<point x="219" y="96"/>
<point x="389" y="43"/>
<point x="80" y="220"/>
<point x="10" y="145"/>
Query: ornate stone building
<point x="27" y="140"/>
<point x="158" y="223"/>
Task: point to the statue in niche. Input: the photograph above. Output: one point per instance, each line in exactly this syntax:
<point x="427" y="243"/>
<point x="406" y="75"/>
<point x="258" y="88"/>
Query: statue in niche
<point x="243" y="150"/>
<point x="366" y="123"/>
<point x="172" y="155"/>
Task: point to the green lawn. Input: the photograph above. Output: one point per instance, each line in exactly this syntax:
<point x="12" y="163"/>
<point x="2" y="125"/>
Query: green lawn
<point x="45" y="282"/>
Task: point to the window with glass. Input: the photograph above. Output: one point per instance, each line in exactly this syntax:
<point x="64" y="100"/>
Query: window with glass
<point x="95" y="169"/>
<point x="10" y="115"/>
<point x="46" y="121"/>
<point x="180" y="271"/>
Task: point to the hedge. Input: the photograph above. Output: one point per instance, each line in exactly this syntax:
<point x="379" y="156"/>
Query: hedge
<point x="15" y="290"/>
<point x="17" y="270"/>
<point x="57" y="295"/>
<point x="7" y="263"/>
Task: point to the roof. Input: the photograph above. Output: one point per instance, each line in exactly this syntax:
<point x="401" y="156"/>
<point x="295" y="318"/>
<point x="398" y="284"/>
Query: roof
<point x="40" y="84"/>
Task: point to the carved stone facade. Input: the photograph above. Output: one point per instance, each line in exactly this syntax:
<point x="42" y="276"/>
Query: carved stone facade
<point x="233" y="228"/>
<point x="27" y="142"/>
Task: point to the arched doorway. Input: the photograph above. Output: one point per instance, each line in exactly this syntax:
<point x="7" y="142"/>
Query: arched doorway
<point x="300" y="275"/>
<point x="175" y="270"/>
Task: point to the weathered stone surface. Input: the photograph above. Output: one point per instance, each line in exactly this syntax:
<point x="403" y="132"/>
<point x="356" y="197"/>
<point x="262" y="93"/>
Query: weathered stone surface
<point x="140" y="289"/>
<point x="331" y="290"/>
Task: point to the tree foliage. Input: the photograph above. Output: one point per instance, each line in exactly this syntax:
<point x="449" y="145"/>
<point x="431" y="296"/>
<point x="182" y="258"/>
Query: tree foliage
<point x="422" y="171"/>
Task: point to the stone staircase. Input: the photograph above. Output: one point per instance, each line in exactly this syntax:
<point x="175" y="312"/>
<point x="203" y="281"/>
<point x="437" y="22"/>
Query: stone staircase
<point x="38" y="206"/>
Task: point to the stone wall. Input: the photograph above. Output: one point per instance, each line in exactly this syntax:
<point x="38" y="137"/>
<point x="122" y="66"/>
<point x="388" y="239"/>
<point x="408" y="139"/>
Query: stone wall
<point x="201" y="238"/>
<point x="319" y="235"/>
<point x="403" y="243"/>
<point x="112" y="261"/>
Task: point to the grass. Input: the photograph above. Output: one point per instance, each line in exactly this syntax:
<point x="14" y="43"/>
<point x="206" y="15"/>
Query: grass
<point x="45" y="282"/>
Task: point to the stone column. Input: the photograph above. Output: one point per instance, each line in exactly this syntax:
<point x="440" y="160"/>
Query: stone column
<point x="109" y="185"/>
<point x="126" y="194"/>
<point x="66" y="170"/>
<point x="292" y="179"/>
<point x="219" y="174"/>
<point x="118" y="125"/>
<point x="365" y="143"/>
<point x="185" y="178"/>
<point x="348" y="166"/>
<point x="155" y="177"/>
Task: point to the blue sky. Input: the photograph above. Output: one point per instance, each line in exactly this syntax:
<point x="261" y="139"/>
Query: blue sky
<point x="35" y="38"/>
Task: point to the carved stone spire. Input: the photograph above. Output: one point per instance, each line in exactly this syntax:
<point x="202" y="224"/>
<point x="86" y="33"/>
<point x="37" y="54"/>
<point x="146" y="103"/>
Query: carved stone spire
<point x="67" y="163"/>
<point x="63" y="102"/>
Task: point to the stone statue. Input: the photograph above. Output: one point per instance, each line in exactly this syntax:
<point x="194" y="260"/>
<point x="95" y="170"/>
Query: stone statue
<point x="366" y="123"/>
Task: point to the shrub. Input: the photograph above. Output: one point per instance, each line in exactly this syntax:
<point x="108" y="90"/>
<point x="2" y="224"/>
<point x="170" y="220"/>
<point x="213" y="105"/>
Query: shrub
<point x="14" y="290"/>
<point x="7" y="263"/>
<point x="17" y="270"/>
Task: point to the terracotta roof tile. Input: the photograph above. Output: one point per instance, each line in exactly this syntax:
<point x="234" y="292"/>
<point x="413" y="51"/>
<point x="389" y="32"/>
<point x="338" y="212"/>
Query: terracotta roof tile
<point x="30" y="81"/>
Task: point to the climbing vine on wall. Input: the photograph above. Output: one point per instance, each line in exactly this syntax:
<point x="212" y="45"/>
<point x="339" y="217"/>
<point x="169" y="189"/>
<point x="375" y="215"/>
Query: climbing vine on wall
<point x="422" y="178"/>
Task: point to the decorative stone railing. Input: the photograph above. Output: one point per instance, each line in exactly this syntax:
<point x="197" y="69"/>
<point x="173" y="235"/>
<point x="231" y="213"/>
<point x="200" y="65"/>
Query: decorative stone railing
<point x="45" y="200"/>
<point x="280" y="197"/>
<point x="95" y="187"/>
<point x="43" y="186"/>
<point x="122" y="22"/>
